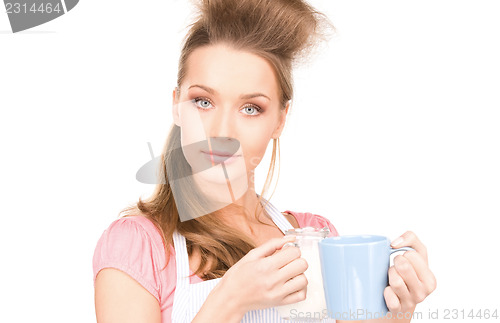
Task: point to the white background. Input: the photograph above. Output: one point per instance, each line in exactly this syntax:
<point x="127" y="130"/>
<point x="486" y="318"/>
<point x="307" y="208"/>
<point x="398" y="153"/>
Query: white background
<point x="394" y="127"/>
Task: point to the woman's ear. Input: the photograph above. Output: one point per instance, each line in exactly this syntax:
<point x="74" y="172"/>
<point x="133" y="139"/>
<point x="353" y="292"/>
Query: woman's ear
<point x="281" y="125"/>
<point x="175" y="108"/>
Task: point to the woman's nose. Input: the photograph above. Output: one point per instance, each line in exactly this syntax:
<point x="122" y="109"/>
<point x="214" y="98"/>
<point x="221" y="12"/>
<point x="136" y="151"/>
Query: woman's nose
<point x="222" y="124"/>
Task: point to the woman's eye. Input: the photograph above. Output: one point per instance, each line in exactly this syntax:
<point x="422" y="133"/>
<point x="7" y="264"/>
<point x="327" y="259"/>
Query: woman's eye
<point x="251" y="110"/>
<point x="202" y="103"/>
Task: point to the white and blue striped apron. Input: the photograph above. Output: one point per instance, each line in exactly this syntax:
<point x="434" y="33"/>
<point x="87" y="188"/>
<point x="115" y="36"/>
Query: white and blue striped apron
<point x="188" y="298"/>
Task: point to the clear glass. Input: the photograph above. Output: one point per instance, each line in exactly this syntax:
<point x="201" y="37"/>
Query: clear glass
<point x="314" y="306"/>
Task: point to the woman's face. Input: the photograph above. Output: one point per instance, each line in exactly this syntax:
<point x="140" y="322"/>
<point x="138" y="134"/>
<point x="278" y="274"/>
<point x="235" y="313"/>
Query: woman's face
<point x="229" y="102"/>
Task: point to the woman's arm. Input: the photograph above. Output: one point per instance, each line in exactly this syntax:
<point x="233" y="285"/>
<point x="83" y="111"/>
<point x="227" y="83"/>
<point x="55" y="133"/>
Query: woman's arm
<point x="121" y="299"/>
<point x="219" y="307"/>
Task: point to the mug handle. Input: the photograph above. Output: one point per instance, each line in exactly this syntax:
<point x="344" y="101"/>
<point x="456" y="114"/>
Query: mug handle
<point x="393" y="250"/>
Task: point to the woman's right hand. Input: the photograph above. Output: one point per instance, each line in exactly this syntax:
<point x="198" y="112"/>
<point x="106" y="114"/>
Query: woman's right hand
<point x="267" y="276"/>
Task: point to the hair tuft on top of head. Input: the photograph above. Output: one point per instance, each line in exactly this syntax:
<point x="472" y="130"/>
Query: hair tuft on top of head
<point x="290" y="29"/>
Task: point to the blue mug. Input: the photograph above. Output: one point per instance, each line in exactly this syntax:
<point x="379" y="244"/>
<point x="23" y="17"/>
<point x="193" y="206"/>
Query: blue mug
<point x="355" y="274"/>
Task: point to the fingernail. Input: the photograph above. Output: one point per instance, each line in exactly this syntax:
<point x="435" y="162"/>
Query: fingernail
<point x="397" y="241"/>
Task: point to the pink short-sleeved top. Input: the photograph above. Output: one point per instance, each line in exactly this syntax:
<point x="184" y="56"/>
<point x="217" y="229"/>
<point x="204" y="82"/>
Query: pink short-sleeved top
<point x="134" y="245"/>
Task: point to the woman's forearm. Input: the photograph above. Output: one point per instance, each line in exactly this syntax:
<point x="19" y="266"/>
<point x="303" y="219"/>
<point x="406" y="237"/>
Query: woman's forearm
<point x="219" y="307"/>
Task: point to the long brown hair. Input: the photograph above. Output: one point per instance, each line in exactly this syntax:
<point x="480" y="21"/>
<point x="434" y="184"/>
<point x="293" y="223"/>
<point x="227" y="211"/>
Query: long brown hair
<point x="281" y="31"/>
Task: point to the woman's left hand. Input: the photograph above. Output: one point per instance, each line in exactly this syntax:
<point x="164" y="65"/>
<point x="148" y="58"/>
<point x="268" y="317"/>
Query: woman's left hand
<point x="410" y="279"/>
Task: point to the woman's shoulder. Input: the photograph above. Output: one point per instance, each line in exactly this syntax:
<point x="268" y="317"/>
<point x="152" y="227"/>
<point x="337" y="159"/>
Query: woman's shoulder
<point x="133" y="227"/>
<point x="305" y="219"/>
<point x="130" y="241"/>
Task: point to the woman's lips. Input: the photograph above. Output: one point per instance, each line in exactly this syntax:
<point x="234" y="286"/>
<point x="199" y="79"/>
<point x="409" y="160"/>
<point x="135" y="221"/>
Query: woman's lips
<point x="218" y="157"/>
<point x="218" y="153"/>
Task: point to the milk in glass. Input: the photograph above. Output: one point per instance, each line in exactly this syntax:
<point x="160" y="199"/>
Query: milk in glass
<point x="314" y="306"/>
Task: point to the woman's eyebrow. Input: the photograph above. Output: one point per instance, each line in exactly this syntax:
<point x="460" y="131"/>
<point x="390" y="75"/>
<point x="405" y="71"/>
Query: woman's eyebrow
<point x="243" y="96"/>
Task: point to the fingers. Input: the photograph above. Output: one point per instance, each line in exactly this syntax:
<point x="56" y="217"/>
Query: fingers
<point x="296" y="297"/>
<point x="410" y="239"/>
<point x="424" y="274"/>
<point x="392" y="300"/>
<point x="398" y="286"/>
<point x="295" y="267"/>
<point x="410" y="280"/>
<point x="416" y="290"/>
<point x="269" y="247"/>
<point x="295" y="289"/>
<point x="284" y="257"/>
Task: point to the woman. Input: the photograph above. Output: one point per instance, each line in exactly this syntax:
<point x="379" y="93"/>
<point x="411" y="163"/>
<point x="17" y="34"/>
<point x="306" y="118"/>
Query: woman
<point x="194" y="252"/>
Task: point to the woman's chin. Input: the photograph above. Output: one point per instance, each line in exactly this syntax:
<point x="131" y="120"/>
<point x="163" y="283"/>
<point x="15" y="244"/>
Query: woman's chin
<point x="213" y="182"/>
<point x="217" y="176"/>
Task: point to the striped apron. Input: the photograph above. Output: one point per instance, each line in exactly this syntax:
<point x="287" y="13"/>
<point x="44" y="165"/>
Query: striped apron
<point x="189" y="298"/>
